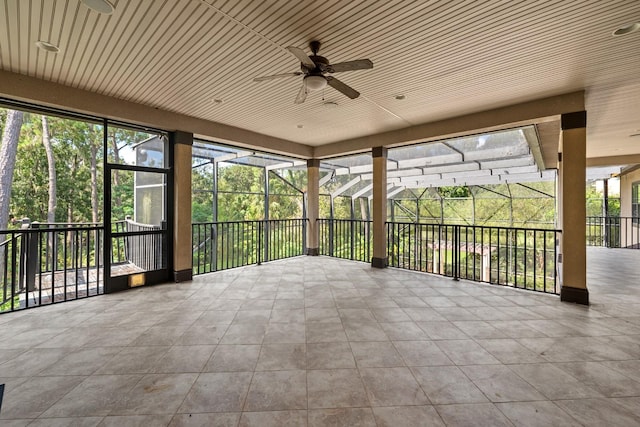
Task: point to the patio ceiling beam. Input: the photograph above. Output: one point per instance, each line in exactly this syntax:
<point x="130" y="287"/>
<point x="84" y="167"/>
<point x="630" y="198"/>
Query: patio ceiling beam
<point x="535" y="190"/>
<point x="490" y="190"/>
<point x="287" y="164"/>
<point x="346" y="186"/>
<point x="395" y="191"/>
<point x="363" y="191"/>
<point x="326" y="178"/>
<point x="233" y="156"/>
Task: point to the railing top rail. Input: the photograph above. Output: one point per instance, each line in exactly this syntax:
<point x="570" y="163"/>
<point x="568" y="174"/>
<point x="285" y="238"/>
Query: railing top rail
<point x="248" y="221"/>
<point x="54" y="229"/>
<point x="476" y="226"/>
<point x="139" y="224"/>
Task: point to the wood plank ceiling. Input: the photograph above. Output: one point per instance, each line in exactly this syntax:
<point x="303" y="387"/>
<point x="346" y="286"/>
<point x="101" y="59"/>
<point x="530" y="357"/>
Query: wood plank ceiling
<point x="448" y="58"/>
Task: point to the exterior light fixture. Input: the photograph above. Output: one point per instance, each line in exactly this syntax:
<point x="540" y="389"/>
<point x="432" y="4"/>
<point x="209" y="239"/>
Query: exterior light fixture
<point x="314" y="83"/>
<point x="627" y="29"/>
<point x="100" y="6"/>
<point x="48" y="47"/>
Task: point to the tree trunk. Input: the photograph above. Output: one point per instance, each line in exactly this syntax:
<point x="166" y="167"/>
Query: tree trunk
<point x="94" y="183"/>
<point x="8" y="153"/>
<point x="48" y="148"/>
<point x="117" y="201"/>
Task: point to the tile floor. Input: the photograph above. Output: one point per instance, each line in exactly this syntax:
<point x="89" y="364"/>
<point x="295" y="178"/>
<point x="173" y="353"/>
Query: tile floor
<point x="314" y="341"/>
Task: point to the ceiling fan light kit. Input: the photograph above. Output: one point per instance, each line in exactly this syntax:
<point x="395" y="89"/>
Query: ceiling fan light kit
<point x="314" y="83"/>
<point x="315" y="69"/>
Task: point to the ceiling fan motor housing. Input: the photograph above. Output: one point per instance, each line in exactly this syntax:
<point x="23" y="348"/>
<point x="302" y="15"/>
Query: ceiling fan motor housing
<point x="321" y="64"/>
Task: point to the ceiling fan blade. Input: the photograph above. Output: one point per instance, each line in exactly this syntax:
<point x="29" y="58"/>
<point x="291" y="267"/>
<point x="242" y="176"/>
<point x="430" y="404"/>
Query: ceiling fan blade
<point x="302" y="57"/>
<point x="275" y="76"/>
<point x="341" y="87"/>
<point x="302" y="95"/>
<point x="358" y="64"/>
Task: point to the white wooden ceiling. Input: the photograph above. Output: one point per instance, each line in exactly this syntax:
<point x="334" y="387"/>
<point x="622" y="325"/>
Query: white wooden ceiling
<point x="447" y="57"/>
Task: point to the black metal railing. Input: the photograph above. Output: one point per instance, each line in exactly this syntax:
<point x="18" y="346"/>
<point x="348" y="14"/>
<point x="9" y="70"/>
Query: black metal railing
<point x="613" y="232"/>
<point x="142" y="245"/>
<point x="345" y="238"/>
<point x="49" y="263"/>
<point x="223" y="245"/>
<point x="518" y="257"/>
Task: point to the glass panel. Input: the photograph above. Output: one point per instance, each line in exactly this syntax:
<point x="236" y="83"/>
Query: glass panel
<point x="136" y="148"/>
<point x="138" y="205"/>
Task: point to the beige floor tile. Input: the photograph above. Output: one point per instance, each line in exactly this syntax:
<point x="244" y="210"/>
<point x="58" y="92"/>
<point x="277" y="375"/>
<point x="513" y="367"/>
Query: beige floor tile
<point x="343" y="417"/>
<point x="605" y="380"/>
<point x="71" y="422"/>
<point x="472" y="415"/>
<point x="364" y="331"/>
<point x="438" y="330"/>
<point x="447" y="384"/>
<point x="244" y="333"/>
<point x="277" y="390"/>
<point x="285" y="333"/>
<point x="330" y="355"/>
<point x="274" y="419"/>
<point x="280" y="357"/>
<point x="421" y="353"/>
<point x="231" y="358"/>
<point x="35" y="395"/>
<point x="95" y="396"/>
<point x="407" y="416"/>
<point x="335" y="388"/>
<point x="217" y="392"/>
<point x="599" y="412"/>
<point x="407" y="331"/>
<point x="392" y="386"/>
<point x="288" y="316"/>
<point x="134" y="360"/>
<point x="325" y="332"/>
<point x="500" y="384"/>
<point x="135" y="421"/>
<point x="536" y="414"/>
<point x="155" y="394"/>
<point x="553" y="382"/>
<point x="380" y="354"/>
<point x="205" y="420"/>
<point x="184" y="358"/>
<point x="466" y="352"/>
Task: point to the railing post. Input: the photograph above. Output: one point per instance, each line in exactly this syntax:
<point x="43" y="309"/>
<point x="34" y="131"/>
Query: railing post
<point x="31" y="256"/>
<point x="259" y="245"/>
<point x="266" y="240"/>
<point x="331" y="234"/>
<point x="456" y="252"/>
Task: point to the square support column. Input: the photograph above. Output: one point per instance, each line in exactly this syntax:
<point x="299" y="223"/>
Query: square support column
<point x="572" y="209"/>
<point x="313" y="203"/>
<point x="181" y="144"/>
<point x="379" y="216"/>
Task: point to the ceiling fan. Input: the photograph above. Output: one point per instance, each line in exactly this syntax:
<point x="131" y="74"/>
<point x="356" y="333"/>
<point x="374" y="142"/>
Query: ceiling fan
<point x="315" y="67"/>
